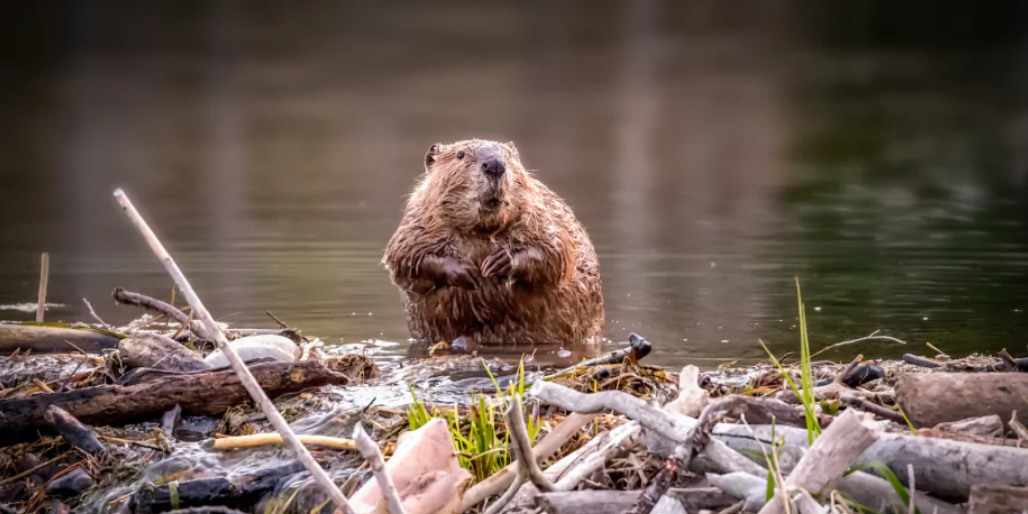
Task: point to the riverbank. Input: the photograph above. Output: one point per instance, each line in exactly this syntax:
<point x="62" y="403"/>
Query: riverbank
<point x="141" y="418"/>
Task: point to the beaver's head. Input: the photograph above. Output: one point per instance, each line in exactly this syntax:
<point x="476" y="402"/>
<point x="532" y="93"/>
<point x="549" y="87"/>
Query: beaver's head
<point x="473" y="185"/>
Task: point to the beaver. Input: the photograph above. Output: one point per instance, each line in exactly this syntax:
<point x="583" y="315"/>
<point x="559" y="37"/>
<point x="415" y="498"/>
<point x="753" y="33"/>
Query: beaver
<point x="486" y="251"/>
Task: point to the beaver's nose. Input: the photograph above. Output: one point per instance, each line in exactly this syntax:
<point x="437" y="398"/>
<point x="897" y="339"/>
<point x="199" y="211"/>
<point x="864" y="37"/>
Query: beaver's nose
<point x="493" y="167"/>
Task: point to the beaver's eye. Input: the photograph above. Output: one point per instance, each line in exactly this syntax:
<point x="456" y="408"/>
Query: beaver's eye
<point x="460" y="155"/>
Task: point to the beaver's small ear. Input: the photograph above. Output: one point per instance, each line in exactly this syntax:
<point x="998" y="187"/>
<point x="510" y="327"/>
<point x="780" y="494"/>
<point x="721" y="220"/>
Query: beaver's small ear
<point x="512" y="149"/>
<point x="430" y="156"/>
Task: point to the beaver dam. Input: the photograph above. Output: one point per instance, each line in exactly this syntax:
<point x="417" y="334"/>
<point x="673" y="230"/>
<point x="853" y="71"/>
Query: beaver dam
<point x="176" y="412"/>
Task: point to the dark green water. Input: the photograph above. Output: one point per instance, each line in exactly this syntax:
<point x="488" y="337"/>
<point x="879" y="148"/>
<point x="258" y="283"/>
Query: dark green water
<point x="714" y="152"/>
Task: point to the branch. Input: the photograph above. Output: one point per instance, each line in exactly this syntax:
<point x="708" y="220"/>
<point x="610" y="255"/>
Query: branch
<point x="122" y="296"/>
<point x="866" y="406"/>
<point x="251" y="385"/>
<point x="250" y="441"/>
<point x="523" y="445"/>
<point x="873" y="336"/>
<point x="369" y="449"/>
<point x="549" y="445"/>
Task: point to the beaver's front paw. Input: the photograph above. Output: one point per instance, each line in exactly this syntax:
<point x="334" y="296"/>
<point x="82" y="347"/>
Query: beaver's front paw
<point x="499" y="264"/>
<point x="456" y="273"/>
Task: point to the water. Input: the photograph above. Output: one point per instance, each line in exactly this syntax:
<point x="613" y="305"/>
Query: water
<point x="714" y="154"/>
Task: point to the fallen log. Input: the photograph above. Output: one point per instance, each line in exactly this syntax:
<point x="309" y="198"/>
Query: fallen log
<point x="208" y="393"/>
<point x="54" y="339"/>
<point x="240" y="491"/>
<point x="616" y="502"/>
<point x="158" y="352"/>
<point x="942" y="467"/>
<point x="932" y="398"/>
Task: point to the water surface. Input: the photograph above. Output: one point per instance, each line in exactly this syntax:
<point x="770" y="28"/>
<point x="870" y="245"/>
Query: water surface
<point x="713" y="154"/>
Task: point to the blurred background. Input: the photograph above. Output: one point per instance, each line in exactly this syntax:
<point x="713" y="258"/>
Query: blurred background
<point x="715" y="150"/>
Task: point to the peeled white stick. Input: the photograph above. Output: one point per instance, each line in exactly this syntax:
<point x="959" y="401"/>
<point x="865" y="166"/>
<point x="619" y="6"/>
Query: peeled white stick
<point x="369" y="450"/>
<point x="245" y="377"/>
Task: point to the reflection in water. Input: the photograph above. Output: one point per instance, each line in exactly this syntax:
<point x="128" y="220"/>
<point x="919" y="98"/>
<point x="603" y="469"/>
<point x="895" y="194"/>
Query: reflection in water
<point x="713" y="154"/>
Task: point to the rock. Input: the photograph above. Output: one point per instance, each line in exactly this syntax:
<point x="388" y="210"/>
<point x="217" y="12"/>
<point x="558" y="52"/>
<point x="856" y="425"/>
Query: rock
<point x="263" y="346"/>
<point x="74" y="483"/>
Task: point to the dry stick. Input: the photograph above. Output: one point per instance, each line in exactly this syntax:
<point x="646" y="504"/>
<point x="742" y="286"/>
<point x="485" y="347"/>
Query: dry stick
<point x="30" y="471"/>
<point x="866" y="406"/>
<point x="523" y="445"/>
<point x="549" y="445"/>
<point x="913" y="489"/>
<point x="1018" y="428"/>
<point x="245" y="377"/>
<point x="95" y="316"/>
<point x="369" y="449"/>
<point x="872" y="336"/>
<point x="250" y="441"/>
<point x="44" y="277"/>
<point x="122" y="296"/>
<point x="511" y="491"/>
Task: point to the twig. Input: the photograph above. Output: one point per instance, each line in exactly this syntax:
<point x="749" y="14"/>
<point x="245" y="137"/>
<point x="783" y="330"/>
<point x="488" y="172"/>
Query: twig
<point x="1018" y="428"/>
<point x="42" y="386"/>
<point x="96" y="317"/>
<point x="245" y="377"/>
<point x="44" y="278"/>
<point x="250" y="441"/>
<point x="523" y="445"/>
<point x="849" y="369"/>
<point x="281" y="325"/>
<point x="913" y="490"/>
<point x="866" y="406"/>
<point x="143" y="444"/>
<point x="183" y="326"/>
<point x="549" y="445"/>
<point x="30" y="471"/>
<point x="511" y="491"/>
<point x="120" y="295"/>
<point x="369" y="449"/>
<point x="873" y="336"/>
<point x="920" y="361"/>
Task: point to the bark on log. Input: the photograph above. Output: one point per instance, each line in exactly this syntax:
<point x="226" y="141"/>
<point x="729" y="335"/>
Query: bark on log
<point x="45" y="339"/>
<point x="993" y="499"/>
<point x="158" y="352"/>
<point x="829" y="457"/>
<point x="208" y="393"/>
<point x="73" y="430"/>
<point x="933" y="398"/>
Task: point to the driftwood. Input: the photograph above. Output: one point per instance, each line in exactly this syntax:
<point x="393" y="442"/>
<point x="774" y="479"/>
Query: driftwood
<point x="994" y="499"/>
<point x="252" y="441"/>
<point x="48" y="339"/>
<point x="209" y="393"/>
<point x="44" y="278"/>
<point x="73" y="431"/>
<point x="617" y="502"/>
<point x="716" y="457"/>
<point x="932" y="398"/>
<point x="829" y="457"/>
<point x="549" y="445"/>
<point x="158" y="352"/>
<point x="943" y="467"/>
<point x="522" y="445"/>
<point x="246" y="378"/>
<point x="373" y="455"/>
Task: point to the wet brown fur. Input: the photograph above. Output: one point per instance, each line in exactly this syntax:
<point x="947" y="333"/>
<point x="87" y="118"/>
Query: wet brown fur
<point x="448" y="237"/>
